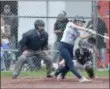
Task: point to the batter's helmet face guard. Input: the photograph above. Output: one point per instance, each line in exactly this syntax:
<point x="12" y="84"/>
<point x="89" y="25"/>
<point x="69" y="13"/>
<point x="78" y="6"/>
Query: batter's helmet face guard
<point x="39" y="25"/>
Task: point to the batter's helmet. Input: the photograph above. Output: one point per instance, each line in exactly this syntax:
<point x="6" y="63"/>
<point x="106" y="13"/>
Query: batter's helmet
<point x="39" y="23"/>
<point x="79" y="18"/>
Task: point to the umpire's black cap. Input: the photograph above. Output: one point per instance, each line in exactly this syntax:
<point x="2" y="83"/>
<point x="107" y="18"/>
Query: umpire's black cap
<point x="39" y="23"/>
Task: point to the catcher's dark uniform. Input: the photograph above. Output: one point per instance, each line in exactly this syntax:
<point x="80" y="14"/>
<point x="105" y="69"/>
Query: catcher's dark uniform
<point x="84" y="61"/>
<point x="83" y="57"/>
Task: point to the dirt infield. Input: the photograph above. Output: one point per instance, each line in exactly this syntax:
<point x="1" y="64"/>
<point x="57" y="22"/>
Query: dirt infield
<point x="28" y="82"/>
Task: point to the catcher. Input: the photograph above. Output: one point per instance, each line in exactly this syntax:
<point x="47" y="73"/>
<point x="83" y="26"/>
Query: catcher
<point x="83" y="59"/>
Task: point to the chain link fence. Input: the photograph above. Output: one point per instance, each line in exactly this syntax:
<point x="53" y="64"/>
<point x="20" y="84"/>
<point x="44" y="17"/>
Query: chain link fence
<point x="17" y="17"/>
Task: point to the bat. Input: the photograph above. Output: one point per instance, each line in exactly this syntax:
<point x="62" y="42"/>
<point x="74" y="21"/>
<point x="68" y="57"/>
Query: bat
<point x="91" y="31"/>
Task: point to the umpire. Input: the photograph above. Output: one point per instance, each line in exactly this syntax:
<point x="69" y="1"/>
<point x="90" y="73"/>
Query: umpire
<point x="34" y="43"/>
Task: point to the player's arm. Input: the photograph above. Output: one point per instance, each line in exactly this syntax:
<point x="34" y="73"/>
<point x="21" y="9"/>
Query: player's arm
<point x="85" y="36"/>
<point x="23" y="42"/>
<point x="82" y="28"/>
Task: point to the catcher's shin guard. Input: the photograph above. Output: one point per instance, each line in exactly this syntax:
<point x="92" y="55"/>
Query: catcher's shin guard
<point x="90" y="72"/>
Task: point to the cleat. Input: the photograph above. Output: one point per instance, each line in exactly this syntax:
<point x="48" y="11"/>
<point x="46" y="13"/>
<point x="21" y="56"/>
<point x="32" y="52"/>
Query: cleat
<point x="83" y="79"/>
<point x="14" y="76"/>
<point x="49" y="76"/>
<point x="60" y="77"/>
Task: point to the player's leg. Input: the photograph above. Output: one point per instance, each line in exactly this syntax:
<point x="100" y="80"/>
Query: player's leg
<point x="68" y="61"/>
<point x="78" y="65"/>
<point x="62" y="71"/>
<point x="49" y="64"/>
<point x="66" y="70"/>
<point x="89" y="69"/>
<point x="30" y="63"/>
<point x="19" y="64"/>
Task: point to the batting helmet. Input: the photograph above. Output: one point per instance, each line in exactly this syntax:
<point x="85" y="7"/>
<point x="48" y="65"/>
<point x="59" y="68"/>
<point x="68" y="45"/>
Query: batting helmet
<point x="39" y="23"/>
<point x="79" y="18"/>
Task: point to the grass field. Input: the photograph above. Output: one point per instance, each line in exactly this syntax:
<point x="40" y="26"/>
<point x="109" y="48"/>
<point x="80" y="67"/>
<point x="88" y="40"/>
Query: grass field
<point x="43" y="73"/>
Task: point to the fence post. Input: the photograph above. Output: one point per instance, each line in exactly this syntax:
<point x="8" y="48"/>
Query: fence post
<point x="94" y="17"/>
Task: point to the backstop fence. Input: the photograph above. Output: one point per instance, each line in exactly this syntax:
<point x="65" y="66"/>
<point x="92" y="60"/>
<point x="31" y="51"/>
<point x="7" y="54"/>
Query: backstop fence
<point x="18" y="16"/>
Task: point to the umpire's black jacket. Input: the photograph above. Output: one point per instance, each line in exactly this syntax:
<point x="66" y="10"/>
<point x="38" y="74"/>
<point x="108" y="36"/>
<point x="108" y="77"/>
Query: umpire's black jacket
<point x="31" y="40"/>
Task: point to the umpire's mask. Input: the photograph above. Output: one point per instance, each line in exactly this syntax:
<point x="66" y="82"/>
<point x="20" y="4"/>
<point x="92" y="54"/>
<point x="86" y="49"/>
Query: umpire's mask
<point x="39" y="25"/>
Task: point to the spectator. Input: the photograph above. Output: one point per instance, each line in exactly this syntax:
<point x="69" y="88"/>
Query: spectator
<point x="12" y="21"/>
<point x="2" y="65"/>
<point x="101" y="42"/>
<point x="5" y="34"/>
<point x="59" y="28"/>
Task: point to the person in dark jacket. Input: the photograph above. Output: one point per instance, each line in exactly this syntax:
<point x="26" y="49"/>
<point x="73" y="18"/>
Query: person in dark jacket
<point x="101" y="42"/>
<point x="34" y="43"/>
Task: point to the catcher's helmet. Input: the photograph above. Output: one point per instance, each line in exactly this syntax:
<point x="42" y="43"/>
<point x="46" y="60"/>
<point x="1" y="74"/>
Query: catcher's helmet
<point x="79" y="18"/>
<point x="82" y="44"/>
<point x="91" y="40"/>
<point x="39" y="23"/>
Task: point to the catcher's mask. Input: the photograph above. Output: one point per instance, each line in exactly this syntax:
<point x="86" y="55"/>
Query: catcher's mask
<point x="91" y="40"/>
<point x="83" y="45"/>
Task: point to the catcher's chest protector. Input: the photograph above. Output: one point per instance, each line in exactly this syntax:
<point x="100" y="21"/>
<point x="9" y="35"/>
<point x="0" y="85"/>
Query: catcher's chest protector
<point x="83" y="57"/>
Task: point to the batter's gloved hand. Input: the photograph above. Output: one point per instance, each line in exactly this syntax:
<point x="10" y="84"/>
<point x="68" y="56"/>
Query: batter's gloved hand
<point x="91" y="31"/>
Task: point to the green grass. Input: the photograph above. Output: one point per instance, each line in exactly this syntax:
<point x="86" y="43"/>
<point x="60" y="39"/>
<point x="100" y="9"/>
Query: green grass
<point x="98" y="73"/>
<point x="43" y="73"/>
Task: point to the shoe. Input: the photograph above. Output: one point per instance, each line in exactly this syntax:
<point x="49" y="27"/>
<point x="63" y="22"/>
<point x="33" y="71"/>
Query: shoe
<point x="14" y="76"/>
<point x="93" y="77"/>
<point x="60" y="77"/>
<point x="83" y="79"/>
<point x="49" y="76"/>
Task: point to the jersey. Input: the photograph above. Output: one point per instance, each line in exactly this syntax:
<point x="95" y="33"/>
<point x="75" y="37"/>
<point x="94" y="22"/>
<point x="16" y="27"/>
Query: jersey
<point x="70" y="34"/>
<point x="84" y="57"/>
